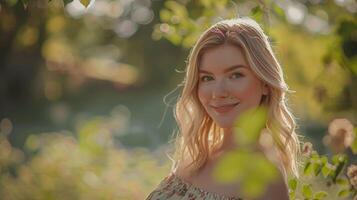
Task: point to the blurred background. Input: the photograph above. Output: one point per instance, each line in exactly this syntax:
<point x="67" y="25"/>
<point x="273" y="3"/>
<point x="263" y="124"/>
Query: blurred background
<point x="87" y="88"/>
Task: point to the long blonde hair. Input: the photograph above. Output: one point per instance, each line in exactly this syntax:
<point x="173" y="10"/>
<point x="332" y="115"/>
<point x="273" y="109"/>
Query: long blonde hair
<point x="198" y="135"/>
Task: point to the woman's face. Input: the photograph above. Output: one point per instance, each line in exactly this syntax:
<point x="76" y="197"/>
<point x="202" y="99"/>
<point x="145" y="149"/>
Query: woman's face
<point x="227" y="86"/>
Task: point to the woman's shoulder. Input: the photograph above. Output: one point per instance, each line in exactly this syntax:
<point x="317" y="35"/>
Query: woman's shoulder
<point x="175" y="187"/>
<point x="179" y="184"/>
<point x="182" y="167"/>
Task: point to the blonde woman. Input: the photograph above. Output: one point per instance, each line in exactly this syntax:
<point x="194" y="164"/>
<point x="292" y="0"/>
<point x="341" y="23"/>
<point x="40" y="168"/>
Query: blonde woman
<point x="231" y="69"/>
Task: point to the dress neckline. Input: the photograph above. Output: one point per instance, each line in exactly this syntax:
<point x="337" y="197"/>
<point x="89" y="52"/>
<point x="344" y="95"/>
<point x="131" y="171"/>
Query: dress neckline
<point x="194" y="187"/>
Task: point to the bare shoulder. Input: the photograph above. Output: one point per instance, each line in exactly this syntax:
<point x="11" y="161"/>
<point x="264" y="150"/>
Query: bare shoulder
<point x="182" y="169"/>
<point x="278" y="190"/>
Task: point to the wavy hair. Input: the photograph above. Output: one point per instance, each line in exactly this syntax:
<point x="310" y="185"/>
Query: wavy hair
<point x="198" y="135"/>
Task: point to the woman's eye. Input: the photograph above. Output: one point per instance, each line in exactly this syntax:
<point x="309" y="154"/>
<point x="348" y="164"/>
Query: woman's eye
<point x="205" y="78"/>
<point x="236" y="75"/>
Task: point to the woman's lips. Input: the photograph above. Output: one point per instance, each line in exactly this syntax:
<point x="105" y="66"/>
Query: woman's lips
<point x="224" y="109"/>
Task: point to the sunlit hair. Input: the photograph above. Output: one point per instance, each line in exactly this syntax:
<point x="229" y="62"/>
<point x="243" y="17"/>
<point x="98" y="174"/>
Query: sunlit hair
<point x="198" y="135"/>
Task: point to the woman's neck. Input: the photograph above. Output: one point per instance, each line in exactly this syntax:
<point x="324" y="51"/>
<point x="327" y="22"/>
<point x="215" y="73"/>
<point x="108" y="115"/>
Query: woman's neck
<point x="230" y="142"/>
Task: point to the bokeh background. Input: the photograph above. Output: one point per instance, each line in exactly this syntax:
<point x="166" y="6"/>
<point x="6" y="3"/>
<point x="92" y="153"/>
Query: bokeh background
<point x="86" y="93"/>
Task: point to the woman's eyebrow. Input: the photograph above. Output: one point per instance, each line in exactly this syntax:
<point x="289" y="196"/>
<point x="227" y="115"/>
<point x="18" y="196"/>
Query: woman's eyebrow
<point x="229" y="69"/>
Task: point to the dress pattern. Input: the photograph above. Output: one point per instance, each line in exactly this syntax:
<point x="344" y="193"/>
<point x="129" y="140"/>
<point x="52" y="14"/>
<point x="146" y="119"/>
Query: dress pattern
<point x="173" y="187"/>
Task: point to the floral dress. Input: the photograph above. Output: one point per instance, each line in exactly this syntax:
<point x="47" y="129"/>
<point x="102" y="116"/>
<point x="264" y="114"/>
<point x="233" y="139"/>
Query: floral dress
<point x="175" y="188"/>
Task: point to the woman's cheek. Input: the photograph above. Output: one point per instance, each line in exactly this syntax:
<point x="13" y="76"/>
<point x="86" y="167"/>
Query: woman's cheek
<point x="204" y="93"/>
<point x="244" y="87"/>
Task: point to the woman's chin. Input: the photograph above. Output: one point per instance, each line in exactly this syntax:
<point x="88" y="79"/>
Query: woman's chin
<point x="224" y="125"/>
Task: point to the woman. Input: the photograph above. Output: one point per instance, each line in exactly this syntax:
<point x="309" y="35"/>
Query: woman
<point x="231" y="69"/>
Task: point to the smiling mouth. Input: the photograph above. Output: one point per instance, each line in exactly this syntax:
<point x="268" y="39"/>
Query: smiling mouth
<point x="224" y="109"/>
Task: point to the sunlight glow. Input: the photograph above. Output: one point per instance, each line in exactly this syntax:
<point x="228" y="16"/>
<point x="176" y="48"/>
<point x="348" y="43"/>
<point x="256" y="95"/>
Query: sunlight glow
<point x="76" y="9"/>
<point x="295" y="13"/>
<point x="316" y="25"/>
<point x="126" y="28"/>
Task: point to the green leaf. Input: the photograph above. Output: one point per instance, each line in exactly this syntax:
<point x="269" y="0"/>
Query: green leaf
<point x="326" y="170"/>
<point x="165" y="15"/>
<point x="177" y="8"/>
<point x="308" y="170"/>
<point x="229" y="168"/>
<point x="264" y="168"/>
<point x="316" y="168"/>
<point x="324" y="159"/>
<point x="249" y="125"/>
<point x="279" y="11"/>
<point x="315" y="156"/>
<point x="254" y="176"/>
<point x="253" y="187"/>
<point x="174" y="38"/>
<point x="292" y="184"/>
<point x="340" y="161"/>
<point x="343" y="193"/>
<point x="257" y="13"/>
<point x="256" y="10"/>
<point x="189" y="41"/>
<point x="85" y="3"/>
<point x="342" y="181"/>
<point x="320" y="195"/>
<point x="339" y="158"/>
<point x="307" y="191"/>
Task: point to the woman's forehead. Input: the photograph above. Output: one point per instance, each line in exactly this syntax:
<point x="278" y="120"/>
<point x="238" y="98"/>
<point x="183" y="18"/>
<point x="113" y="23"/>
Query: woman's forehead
<point x="223" y="57"/>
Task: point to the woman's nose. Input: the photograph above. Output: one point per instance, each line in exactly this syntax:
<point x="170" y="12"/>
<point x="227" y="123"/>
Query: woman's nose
<point x="220" y="89"/>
